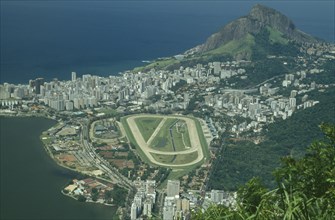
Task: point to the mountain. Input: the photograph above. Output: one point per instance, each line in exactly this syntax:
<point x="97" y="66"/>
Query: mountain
<point x="259" y="18"/>
<point x="264" y="31"/>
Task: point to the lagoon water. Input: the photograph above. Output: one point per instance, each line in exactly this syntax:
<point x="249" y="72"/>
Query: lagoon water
<point x="51" y="39"/>
<point x="31" y="181"/>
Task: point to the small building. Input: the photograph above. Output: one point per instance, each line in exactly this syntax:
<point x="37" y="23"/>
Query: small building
<point x="100" y="129"/>
<point x="70" y="188"/>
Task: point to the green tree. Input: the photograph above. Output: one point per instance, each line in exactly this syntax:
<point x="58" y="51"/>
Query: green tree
<point x="108" y="194"/>
<point x="250" y="195"/>
<point x="95" y="197"/>
<point x="119" y="195"/>
<point x="94" y="190"/>
<point x="306" y="188"/>
<point x="81" y="198"/>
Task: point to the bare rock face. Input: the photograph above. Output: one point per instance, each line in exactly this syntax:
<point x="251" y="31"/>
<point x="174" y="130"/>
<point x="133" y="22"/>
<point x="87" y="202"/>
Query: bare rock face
<point x="232" y="31"/>
<point x="259" y="17"/>
<point x="272" y="18"/>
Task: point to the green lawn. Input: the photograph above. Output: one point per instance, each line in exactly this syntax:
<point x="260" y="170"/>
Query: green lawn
<point x="183" y="130"/>
<point x="180" y="136"/>
<point x="176" y="159"/>
<point x="46" y="139"/>
<point x="163" y="140"/>
<point x="147" y="126"/>
<point x="164" y="158"/>
<point x="202" y="138"/>
<point x="131" y="138"/>
<point x="186" y="158"/>
<point x="108" y="111"/>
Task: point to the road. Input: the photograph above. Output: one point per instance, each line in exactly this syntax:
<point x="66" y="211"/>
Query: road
<point x="99" y="162"/>
<point x="193" y="133"/>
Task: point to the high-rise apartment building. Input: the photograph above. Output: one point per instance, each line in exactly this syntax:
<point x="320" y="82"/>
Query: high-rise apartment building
<point x="173" y="187"/>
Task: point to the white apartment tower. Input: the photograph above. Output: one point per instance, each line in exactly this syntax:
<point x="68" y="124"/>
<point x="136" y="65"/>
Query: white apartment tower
<point x="173" y="188"/>
<point x="217" y="196"/>
<point x="74" y="76"/>
<point x="133" y="211"/>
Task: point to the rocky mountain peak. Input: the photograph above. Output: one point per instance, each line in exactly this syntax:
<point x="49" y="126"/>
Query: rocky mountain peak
<point x="271" y="17"/>
<point x="259" y="18"/>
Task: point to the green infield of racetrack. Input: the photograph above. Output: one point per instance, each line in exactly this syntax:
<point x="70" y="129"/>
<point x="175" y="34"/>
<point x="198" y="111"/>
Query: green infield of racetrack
<point x="163" y="140"/>
<point x="147" y="126"/>
<point x="132" y="140"/>
<point x="179" y="170"/>
<point x="175" y="174"/>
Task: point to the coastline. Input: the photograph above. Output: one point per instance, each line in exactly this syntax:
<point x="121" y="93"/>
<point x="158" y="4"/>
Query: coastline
<point x="88" y="201"/>
<point x="51" y="155"/>
<point x="30" y="179"/>
<point x="18" y="115"/>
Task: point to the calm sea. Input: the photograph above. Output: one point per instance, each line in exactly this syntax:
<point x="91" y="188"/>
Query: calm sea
<point x="31" y="181"/>
<point x="52" y="38"/>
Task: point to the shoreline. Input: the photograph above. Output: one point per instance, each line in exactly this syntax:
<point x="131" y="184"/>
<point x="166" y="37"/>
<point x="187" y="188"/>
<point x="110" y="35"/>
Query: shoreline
<point x="24" y="115"/>
<point x="26" y="164"/>
<point x="90" y="201"/>
<point x="51" y="155"/>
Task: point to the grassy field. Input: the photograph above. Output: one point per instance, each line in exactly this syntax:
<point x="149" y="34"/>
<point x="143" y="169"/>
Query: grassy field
<point x="186" y="158"/>
<point x="164" y="158"/>
<point x="46" y="139"/>
<point x="158" y="64"/>
<point x="203" y="141"/>
<point x="108" y="111"/>
<point x="180" y="171"/>
<point x="234" y="46"/>
<point x="163" y="140"/>
<point x="180" y="136"/>
<point x="147" y="126"/>
<point x="179" y="159"/>
<point x="177" y="173"/>
<point x="176" y="159"/>
<point x="133" y="141"/>
<point x="276" y="36"/>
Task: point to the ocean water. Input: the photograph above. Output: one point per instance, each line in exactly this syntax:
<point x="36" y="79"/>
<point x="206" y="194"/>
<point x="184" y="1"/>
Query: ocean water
<point x="51" y="39"/>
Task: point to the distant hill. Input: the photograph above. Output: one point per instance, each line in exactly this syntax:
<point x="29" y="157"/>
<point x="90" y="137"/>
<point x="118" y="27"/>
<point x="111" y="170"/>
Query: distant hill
<point x="264" y="31"/>
<point x="238" y="37"/>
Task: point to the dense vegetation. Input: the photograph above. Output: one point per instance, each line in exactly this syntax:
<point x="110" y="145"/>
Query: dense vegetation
<point x="267" y="41"/>
<point x="119" y="195"/>
<point x="239" y="161"/>
<point x="305" y="188"/>
<point x="327" y="76"/>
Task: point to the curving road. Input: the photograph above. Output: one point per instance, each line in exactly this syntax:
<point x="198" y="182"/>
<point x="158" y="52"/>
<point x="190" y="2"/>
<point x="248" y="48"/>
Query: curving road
<point x="193" y="133"/>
